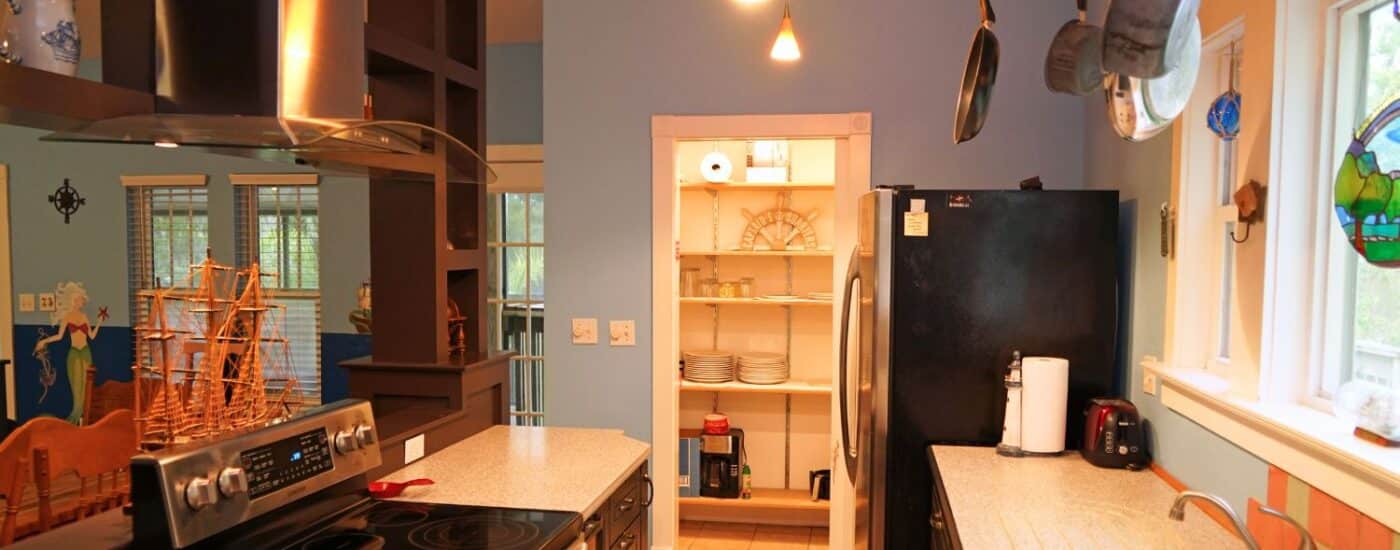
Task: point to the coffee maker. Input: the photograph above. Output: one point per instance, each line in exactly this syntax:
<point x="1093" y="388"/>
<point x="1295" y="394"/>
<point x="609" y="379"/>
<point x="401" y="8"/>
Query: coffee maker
<point x="721" y="461"/>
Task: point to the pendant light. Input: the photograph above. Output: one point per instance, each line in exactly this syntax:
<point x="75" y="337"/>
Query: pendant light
<point x="785" y="47"/>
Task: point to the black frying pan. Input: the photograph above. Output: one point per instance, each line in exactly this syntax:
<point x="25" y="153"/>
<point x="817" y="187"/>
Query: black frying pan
<point x="979" y="75"/>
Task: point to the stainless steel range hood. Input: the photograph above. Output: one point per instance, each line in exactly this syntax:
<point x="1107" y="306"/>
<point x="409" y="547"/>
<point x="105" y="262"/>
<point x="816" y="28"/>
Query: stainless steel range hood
<point x="280" y="80"/>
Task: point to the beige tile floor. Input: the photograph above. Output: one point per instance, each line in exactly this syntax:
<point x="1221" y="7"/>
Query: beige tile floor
<point x="695" y="535"/>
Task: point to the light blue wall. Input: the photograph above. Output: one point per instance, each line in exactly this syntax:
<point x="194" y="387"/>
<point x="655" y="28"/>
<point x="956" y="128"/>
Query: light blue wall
<point x="1142" y="175"/>
<point x="609" y="66"/>
<point x="515" y="94"/>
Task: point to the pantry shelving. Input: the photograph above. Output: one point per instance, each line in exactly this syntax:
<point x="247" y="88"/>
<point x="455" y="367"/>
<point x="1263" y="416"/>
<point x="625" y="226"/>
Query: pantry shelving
<point x="788" y="240"/>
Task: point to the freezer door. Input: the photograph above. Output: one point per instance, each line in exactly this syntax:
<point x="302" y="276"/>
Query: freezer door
<point x="864" y="354"/>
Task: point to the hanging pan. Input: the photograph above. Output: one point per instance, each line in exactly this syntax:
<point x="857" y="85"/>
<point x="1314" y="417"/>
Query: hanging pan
<point x="1147" y="38"/>
<point x="1141" y="108"/>
<point x="1074" y="63"/>
<point x="979" y="75"/>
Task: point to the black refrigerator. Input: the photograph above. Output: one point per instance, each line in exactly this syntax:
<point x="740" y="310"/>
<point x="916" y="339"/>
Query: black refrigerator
<point x="941" y="288"/>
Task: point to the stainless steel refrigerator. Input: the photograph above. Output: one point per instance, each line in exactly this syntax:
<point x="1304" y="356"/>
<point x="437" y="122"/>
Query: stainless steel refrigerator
<point x="942" y="287"/>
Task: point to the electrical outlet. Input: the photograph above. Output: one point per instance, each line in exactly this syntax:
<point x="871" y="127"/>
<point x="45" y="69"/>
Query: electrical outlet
<point x="622" y="333"/>
<point x="47" y="301"/>
<point x="26" y="302"/>
<point x="413" y="448"/>
<point x="584" y="331"/>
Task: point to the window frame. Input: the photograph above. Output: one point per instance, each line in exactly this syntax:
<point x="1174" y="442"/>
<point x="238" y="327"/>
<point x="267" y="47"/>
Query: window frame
<point x="521" y="172"/>
<point x="1203" y="311"/>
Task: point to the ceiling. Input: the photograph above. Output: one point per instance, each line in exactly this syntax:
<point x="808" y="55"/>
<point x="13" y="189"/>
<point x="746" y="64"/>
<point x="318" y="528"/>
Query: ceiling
<point x="514" y="21"/>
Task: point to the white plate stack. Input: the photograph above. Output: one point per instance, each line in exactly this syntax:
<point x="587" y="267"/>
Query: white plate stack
<point x="763" y="368"/>
<point x="709" y="366"/>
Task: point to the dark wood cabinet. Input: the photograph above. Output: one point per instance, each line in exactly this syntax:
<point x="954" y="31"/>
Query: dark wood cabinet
<point x="621" y="523"/>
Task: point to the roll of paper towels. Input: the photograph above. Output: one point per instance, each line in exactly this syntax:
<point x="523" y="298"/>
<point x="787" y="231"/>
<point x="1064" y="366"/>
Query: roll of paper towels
<point x="1044" y="398"/>
<point x="716" y="168"/>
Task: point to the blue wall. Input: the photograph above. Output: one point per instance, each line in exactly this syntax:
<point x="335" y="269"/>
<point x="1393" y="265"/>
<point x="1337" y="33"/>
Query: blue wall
<point x="515" y="94"/>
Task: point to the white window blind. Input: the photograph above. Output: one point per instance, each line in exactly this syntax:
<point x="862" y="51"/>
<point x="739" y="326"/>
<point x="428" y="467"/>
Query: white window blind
<point x="167" y="232"/>
<point x="278" y="226"/>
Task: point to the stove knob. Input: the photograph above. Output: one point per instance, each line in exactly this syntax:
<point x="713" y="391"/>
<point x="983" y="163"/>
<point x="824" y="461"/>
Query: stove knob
<point x="364" y="435"/>
<point x="345" y="442"/>
<point x="199" y="493"/>
<point x="233" y="481"/>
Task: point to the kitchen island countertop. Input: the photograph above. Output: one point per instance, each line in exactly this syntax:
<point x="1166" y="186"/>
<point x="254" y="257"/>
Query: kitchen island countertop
<point x="1065" y="502"/>
<point x="564" y="469"/>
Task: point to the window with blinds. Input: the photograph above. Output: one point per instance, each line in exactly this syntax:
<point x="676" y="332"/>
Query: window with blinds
<point x="277" y="226"/>
<point x="167" y="232"/>
<point x="516" y="296"/>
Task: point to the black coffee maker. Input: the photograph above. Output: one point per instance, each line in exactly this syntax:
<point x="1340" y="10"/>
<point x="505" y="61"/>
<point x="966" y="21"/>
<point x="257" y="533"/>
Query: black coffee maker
<point x="721" y="462"/>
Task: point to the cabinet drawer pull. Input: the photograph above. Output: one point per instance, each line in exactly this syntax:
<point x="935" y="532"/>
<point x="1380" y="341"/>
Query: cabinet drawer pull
<point x="626" y="541"/>
<point x="591" y="528"/>
<point x="651" y="491"/>
<point x="627" y="504"/>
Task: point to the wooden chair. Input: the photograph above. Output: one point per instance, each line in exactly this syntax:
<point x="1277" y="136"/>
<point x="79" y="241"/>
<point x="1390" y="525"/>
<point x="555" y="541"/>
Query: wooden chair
<point x="101" y="400"/>
<point x="100" y="456"/>
<point x="15" y="476"/>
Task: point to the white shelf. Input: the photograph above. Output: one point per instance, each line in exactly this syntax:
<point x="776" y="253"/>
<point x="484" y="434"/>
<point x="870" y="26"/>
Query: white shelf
<point x="791" y="387"/>
<point x="756" y="302"/>
<point x="788" y="253"/>
<point x="745" y="186"/>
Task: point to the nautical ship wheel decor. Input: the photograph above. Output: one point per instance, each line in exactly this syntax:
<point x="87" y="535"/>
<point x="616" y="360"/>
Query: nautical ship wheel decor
<point x="782" y="227"/>
<point x="66" y="200"/>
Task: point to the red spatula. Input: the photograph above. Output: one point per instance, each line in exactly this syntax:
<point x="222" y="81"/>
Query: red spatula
<point x="391" y="489"/>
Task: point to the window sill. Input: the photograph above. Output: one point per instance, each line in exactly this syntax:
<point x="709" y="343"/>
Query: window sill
<point x="1309" y="444"/>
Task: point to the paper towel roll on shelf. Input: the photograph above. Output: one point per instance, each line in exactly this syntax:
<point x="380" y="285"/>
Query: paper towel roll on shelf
<point x="1044" y="402"/>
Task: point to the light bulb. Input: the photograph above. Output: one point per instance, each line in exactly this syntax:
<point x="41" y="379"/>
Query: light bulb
<point x="785" y="47"/>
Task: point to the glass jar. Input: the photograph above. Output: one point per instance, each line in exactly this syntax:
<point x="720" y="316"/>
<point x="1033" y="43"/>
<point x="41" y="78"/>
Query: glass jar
<point x="729" y="289"/>
<point x="690" y="282"/>
<point x="746" y="287"/>
<point x="709" y="288"/>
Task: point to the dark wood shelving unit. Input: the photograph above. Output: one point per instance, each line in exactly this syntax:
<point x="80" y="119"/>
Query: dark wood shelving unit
<point x="425" y="63"/>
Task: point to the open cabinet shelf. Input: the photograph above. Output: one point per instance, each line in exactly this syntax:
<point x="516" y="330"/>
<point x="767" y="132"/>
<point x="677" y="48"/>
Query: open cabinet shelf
<point x="745" y="186"/>
<point x="756" y="302"/>
<point x="757" y="253"/>
<point x="791" y="387"/>
<point x="779" y="506"/>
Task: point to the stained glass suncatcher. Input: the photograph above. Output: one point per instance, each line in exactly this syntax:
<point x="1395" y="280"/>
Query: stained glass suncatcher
<point x="1367" y="203"/>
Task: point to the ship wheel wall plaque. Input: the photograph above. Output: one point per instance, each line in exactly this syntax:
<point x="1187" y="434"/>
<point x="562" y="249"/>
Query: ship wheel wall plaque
<point x="66" y="200"/>
<point x="781" y="227"/>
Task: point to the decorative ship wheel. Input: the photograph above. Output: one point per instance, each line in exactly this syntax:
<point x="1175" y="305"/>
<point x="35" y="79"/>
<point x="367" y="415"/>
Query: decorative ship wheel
<point x="781" y="227"/>
<point x="67" y="200"/>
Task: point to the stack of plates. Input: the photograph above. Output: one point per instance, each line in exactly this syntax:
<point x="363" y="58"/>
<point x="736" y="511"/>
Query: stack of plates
<point x="709" y="366"/>
<point x="763" y="368"/>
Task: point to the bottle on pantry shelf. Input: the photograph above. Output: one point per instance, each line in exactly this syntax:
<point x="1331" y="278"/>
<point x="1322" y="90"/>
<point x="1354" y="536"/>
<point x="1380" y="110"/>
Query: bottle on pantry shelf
<point x="746" y="483"/>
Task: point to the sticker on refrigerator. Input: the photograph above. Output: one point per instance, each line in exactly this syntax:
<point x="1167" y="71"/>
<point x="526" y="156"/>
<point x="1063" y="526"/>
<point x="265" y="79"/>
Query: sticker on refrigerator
<point x="959" y="200"/>
<point x="916" y="224"/>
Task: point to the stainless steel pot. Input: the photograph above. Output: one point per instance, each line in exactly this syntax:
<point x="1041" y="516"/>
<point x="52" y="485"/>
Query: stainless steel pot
<point x="1074" y="63"/>
<point x="1147" y="38"/>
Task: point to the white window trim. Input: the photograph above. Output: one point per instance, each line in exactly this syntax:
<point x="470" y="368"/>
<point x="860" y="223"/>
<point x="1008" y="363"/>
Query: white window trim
<point x="1271" y="420"/>
<point x="165" y="180"/>
<point x="274" y="180"/>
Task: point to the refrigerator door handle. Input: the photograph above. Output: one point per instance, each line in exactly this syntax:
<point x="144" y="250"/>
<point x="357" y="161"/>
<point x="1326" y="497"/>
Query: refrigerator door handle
<point x="850" y="451"/>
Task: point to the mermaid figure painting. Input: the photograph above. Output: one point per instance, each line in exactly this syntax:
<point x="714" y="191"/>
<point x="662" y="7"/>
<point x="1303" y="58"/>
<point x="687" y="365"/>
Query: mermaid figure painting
<point x="72" y="322"/>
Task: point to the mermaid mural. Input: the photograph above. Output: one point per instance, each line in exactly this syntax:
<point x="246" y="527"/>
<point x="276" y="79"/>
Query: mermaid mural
<point x="69" y="300"/>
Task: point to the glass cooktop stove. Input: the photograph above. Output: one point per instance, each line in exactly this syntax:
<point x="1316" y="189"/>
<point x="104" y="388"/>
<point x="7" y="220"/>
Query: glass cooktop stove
<point x="392" y="525"/>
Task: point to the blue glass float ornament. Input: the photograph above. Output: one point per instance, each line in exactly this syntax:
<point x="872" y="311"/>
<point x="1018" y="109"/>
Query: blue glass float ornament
<point x="1223" y="117"/>
<point x="1367" y="204"/>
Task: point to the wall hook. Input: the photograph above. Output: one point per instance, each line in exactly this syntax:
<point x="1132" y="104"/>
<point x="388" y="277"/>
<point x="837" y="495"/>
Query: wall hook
<point x="1246" y="234"/>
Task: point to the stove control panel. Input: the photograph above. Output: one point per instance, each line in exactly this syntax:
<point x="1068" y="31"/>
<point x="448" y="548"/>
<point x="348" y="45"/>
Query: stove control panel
<point x="187" y="493"/>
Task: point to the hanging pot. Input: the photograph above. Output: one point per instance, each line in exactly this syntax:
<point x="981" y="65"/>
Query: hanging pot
<point x="1074" y="63"/>
<point x="1166" y="97"/>
<point x="979" y="76"/>
<point x="1365" y="195"/>
<point x="1127" y="109"/>
<point x="1223" y="117"/>
<point x="1147" y="38"/>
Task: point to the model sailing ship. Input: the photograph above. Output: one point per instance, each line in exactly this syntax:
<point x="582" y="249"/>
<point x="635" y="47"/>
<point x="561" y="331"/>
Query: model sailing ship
<point x="212" y="358"/>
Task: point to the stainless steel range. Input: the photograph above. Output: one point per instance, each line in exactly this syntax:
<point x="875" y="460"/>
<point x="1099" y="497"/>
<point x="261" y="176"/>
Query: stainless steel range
<point x="300" y="483"/>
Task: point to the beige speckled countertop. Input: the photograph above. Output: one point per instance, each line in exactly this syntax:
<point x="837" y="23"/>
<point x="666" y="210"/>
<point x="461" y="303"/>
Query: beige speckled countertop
<point x="566" y="469"/>
<point x="1065" y="502"/>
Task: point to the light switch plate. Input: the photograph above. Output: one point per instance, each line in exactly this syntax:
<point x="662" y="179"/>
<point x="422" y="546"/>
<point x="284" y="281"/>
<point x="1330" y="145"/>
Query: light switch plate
<point x="1149" y="374"/>
<point x="584" y="331"/>
<point x="46" y="302"/>
<point x="26" y="302"/>
<point x="413" y="448"/>
<point x="622" y="333"/>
